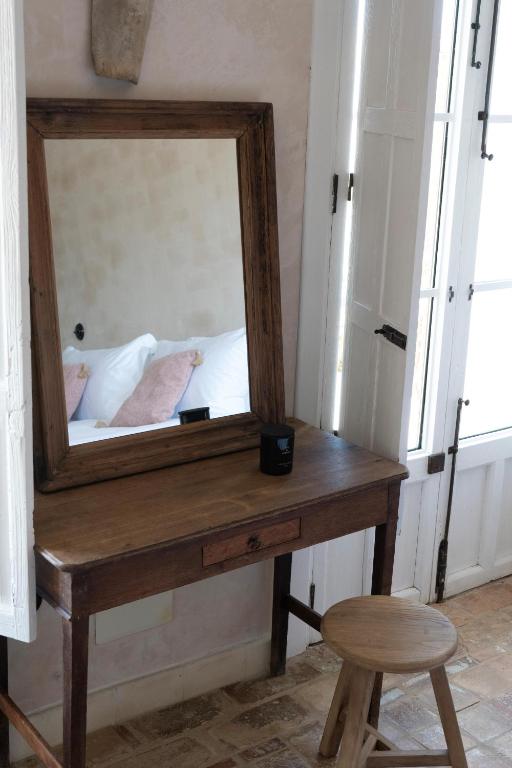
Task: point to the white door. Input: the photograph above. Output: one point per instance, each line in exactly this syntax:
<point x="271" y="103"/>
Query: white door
<point x="17" y="588"/>
<point x="480" y="538"/>
<point x="401" y="39"/>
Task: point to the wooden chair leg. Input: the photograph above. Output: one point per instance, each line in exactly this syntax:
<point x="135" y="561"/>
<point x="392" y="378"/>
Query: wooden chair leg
<point x="361" y="687"/>
<point x="333" y="730"/>
<point x="4" y="722"/>
<point x="76" y="647"/>
<point x="448" y="717"/>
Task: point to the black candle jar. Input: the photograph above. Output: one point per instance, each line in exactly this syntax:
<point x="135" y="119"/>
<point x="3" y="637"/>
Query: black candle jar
<point x="276" y="449"/>
<point x="194" y="414"/>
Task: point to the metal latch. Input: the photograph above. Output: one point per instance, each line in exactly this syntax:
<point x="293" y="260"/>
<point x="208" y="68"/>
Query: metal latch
<point x="436" y="463"/>
<point x="391" y="334"/>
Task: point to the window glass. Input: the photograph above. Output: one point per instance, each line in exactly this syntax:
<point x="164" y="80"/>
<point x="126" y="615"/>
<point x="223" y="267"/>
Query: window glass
<point x="444" y="75"/>
<point x="494" y="249"/>
<point x="501" y="95"/>
<point x="420" y="374"/>
<point x="488" y="381"/>
<point x="434" y="205"/>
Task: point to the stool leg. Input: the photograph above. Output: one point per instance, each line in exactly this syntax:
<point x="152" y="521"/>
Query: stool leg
<point x="448" y="717"/>
<point x="333" y="730"/>
<point x="361" y="687"/>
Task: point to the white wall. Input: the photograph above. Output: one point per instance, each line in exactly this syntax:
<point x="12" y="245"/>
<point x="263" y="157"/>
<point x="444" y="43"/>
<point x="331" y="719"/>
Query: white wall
<point x="155" y="220"/>
<point x="222" y="49"/>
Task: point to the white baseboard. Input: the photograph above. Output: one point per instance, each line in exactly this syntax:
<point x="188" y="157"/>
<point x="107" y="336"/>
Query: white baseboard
<point x="476" y="576"/>
<point x="411" y="593"/>
<point x="112" y="705"/>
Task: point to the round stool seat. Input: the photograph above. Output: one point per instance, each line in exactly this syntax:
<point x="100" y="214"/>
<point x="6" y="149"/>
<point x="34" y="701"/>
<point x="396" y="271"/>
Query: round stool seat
<point x="389" y="634"/>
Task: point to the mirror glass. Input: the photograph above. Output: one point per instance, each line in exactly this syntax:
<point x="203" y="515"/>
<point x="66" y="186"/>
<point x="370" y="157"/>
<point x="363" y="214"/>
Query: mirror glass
<point x="150" y="289"/>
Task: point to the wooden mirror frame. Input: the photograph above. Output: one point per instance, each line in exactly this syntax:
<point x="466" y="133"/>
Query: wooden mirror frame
<point x="57" y="465"/>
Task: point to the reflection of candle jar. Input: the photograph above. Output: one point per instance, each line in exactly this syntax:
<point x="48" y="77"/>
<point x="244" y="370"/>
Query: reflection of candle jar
<point x="194" y="414"/>
<point x="276" y="449"/>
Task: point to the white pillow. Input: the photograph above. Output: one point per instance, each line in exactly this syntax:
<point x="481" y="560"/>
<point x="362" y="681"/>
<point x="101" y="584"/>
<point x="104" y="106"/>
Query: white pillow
<point x="222" y="381"/>
<point x="114" y="374"/>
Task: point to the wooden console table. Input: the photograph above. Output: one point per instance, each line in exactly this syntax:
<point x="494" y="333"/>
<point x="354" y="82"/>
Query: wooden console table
<point x="104" y="545"/>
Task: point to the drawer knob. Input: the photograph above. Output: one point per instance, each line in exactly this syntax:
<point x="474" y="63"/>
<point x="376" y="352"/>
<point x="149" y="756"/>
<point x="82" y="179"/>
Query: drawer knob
<point x="253" y="542"/>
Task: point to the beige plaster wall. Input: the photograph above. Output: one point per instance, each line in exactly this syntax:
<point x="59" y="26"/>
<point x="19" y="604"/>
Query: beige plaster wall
<point x="196" y="49"/>
<point x="146" y="238"/>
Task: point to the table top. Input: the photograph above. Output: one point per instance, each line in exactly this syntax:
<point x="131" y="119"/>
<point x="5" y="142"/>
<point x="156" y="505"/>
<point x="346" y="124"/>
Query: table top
<point x="81" y="526"/>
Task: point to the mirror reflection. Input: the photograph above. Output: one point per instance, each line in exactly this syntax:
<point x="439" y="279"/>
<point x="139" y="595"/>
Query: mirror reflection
<point x="150" y="290"/>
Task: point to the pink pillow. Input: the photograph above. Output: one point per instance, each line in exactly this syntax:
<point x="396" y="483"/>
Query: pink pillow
<point x="155" y="397"/>
<point x="75" y="379"/>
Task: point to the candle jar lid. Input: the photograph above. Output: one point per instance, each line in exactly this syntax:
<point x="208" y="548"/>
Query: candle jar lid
<point x="277" y="430"/>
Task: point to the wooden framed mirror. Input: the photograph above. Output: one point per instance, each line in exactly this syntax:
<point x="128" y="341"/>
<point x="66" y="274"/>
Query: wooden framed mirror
<point x="154" y="275"/>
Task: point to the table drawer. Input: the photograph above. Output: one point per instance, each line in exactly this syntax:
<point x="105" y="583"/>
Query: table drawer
<point x="244" y="543"/>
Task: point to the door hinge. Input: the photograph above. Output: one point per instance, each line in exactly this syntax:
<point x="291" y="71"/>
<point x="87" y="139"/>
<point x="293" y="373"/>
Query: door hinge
<point x="312" y="589"/>
<point x="391" y="334"/>
<point x="435" y="463"/>
<point x="451" y="294"/>
<point x="350" y="186"/>
<point x="334" y="193"/>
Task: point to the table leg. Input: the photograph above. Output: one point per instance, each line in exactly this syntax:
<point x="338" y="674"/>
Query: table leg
<point x="280" y="613"/>
<point x="383" y="561"/>
<point x="4" y="687"/>
<point x="76" y="646"/>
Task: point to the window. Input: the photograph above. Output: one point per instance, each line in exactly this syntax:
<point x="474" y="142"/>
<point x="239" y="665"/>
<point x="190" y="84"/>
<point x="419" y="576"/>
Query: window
<point x="434" y="248"/>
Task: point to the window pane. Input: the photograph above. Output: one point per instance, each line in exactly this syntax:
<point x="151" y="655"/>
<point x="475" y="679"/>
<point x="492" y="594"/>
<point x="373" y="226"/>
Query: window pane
<point x="494" y="250"/>
<point x="446" y="55"/>
<point x="501" y="97"/>
<point x="488" y="383"/>
<point x="420" y="375"/>
<point x="434" y="205"/>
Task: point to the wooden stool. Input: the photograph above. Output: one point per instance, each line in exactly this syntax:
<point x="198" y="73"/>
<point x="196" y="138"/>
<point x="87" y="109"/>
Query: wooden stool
<point x="386" y="634"/>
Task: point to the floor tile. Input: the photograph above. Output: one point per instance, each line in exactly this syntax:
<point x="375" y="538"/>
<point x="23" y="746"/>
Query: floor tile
<point x="433" y="738"/>
<point x="480" y="757"/>
<point x="286" y="759"/>
<point x="410" y="714"/>
<point x="322" y="658"/>
<point x="272" y="718"/>
<point x="180" y="753"/>
<point x="107" y="744"/>
<point x="400" y="738"/>
<point x="262" y="750"/>
<point x="489" y="679"/>
<point x="503" y="704"/>
<point x="503" y="745"/>
<point x="318" y="695"/>
<point x="252" y="692"/>
<point x="462" y="698"/>
<point x="171" y="721"/>
<point x="306" y="740"/>
<point x="483" y="721"/>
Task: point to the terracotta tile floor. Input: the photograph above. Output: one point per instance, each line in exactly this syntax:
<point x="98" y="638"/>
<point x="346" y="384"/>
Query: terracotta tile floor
<point x="277" y="723"/>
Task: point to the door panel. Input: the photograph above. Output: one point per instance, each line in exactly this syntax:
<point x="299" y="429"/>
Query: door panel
<point x="504" y="543"/>
<point x="466" y="523"/>
<point x="389" y="218"/>
<point x="407" y="536"/>
<point x="17" y="589"/>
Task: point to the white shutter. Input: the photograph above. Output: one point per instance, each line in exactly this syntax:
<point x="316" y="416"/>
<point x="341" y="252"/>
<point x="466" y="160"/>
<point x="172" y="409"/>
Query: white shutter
<point x="17" y="590"/>
<point x="397" y="96"/>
